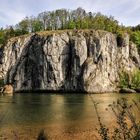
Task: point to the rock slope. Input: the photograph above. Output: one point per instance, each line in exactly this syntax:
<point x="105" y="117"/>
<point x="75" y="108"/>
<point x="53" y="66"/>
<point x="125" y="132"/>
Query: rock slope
<point x="82" y="61"/>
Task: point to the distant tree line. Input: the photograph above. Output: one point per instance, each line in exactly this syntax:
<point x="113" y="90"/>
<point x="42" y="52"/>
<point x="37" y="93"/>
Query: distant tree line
<point x="65" y="19"/>
<point x="62" y="19"/>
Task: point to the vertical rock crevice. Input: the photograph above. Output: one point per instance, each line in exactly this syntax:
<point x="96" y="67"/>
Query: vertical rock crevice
<point x="85" y="61"/>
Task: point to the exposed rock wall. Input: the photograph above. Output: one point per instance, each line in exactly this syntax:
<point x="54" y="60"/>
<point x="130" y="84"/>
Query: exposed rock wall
<point x="69" y="61"/>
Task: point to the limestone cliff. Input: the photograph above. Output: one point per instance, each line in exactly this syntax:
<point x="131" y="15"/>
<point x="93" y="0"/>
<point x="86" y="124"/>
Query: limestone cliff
<point x="69" y="61"/>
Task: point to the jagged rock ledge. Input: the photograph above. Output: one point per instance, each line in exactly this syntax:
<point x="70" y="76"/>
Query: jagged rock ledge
<point x="68" y="61"/>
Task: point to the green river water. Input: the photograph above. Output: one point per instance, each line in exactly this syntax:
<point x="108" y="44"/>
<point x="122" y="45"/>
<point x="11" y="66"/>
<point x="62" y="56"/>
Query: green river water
<point x="64" y="112"/>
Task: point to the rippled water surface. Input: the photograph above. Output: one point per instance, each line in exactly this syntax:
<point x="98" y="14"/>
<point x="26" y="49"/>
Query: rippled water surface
<point x="65" y="112"/>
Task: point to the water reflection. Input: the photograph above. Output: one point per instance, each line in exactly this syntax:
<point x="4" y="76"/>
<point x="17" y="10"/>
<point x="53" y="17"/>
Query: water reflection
<point x="74" y="107"/>
<point x="68" y="112"/>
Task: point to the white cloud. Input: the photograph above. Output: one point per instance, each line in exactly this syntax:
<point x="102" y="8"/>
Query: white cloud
<point x="126" y="11"/>
<point x="11" y="12"/>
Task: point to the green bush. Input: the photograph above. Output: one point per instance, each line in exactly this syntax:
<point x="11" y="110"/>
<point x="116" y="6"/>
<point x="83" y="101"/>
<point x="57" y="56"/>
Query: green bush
<point x="135" y="79"/>
<point x="124" y="80"/>
<point x="129" y="80"/>
<point x="135" y="37"/>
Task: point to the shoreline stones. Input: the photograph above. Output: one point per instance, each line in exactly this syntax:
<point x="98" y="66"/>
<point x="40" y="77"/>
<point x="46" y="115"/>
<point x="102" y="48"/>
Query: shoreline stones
<point x="7" y="89"/>
<point x="127" y="90"/>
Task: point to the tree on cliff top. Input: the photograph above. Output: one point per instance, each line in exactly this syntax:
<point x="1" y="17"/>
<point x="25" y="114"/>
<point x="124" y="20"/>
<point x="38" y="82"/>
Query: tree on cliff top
<point x="67" y="19"/>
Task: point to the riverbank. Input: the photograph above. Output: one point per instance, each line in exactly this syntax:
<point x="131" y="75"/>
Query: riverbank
<point x="54" y="132"/>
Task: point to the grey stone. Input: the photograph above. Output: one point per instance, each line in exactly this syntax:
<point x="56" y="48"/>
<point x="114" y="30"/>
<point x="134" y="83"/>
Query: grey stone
<point x="70" y="61"/>
<point x="127" y="90"/>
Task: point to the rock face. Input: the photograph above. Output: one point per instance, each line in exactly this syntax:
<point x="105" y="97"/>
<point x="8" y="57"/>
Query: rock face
<point x="87" y="61"/>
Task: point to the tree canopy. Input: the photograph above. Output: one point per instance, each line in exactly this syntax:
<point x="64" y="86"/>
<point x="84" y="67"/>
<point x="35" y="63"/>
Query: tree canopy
<point x="62" y="19"/>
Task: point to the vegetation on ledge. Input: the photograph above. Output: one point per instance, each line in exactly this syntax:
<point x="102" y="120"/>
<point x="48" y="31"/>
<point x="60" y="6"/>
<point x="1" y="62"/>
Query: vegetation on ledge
<point x="130" y="80"/>
<point x="63" y="19"/>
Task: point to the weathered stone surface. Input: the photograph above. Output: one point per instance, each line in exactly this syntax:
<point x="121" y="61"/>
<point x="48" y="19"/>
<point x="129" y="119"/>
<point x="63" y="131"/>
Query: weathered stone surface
<point x="7" y="89"/>
<point x="127" y="90"/>
<point x="69" y="61"/>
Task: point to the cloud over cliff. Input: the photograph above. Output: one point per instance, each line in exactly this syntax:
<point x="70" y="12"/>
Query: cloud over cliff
<point x="126" y="11"/>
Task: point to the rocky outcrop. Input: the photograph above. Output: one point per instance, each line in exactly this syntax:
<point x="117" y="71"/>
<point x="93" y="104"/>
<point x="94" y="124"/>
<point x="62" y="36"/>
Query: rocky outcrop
<point x="127" y="90"/>
<point x="86" y="61"/>
<point x="7" y="89"/>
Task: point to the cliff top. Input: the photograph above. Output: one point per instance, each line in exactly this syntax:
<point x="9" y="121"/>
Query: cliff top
<point x="72" y="32"/>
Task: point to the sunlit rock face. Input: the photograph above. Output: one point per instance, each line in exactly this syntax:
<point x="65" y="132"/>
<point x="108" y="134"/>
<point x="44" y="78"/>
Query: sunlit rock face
<point x="85" y="61"/>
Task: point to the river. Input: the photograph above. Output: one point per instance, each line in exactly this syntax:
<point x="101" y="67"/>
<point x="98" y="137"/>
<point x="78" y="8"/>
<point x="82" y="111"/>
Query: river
<point x="66" y="116"/>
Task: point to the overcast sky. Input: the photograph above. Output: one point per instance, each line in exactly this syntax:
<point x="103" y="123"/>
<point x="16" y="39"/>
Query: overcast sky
<point x="125" y="11"/>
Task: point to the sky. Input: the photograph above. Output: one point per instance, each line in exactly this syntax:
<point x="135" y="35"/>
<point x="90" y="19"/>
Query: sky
<point x="127" y="12"/>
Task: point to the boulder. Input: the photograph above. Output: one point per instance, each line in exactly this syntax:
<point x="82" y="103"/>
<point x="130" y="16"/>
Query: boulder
<point x="7" y="89"/>
<point x="137" y="89"/>
<point x="127" y="90"/>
